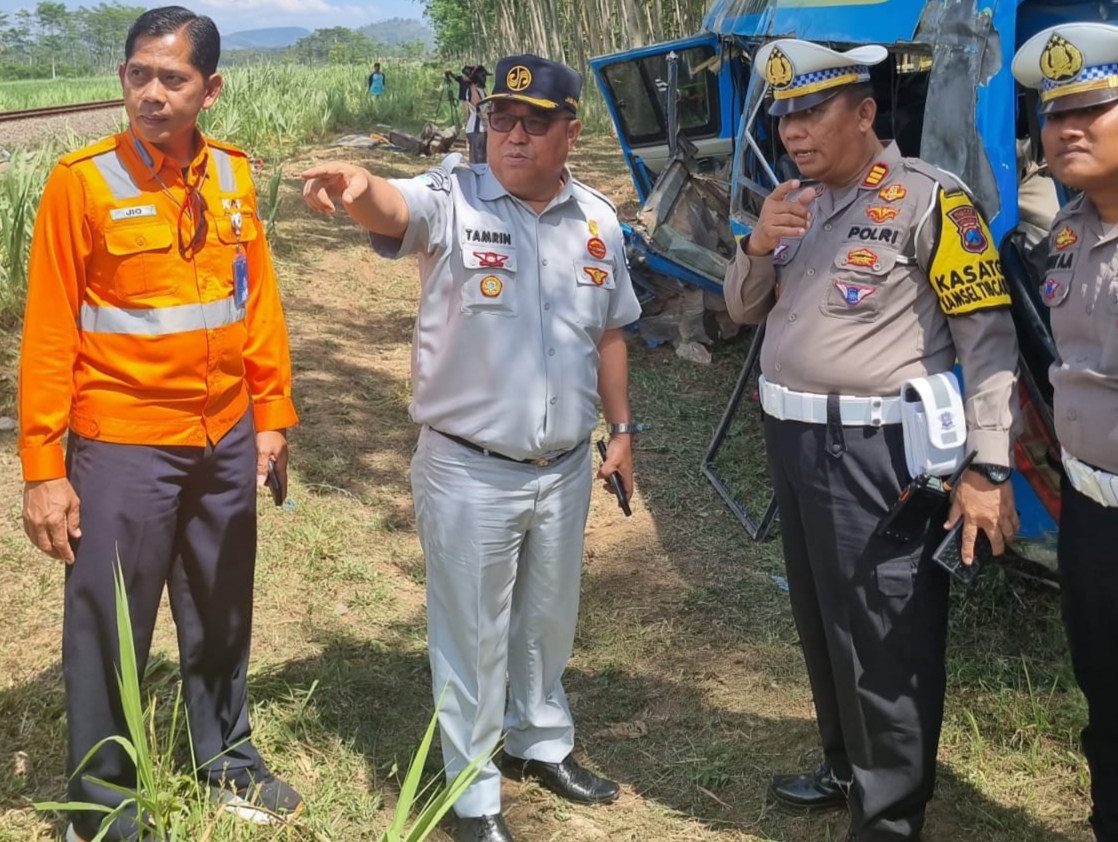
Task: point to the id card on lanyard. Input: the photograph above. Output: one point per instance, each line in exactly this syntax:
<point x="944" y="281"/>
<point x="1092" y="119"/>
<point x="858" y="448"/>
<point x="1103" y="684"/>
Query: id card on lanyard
<point x="240" y="266"/>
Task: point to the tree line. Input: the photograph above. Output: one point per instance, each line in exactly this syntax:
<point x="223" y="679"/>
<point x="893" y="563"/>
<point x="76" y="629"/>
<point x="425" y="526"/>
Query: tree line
<point x="571" y="31"/>
<point x="49" y="40"/>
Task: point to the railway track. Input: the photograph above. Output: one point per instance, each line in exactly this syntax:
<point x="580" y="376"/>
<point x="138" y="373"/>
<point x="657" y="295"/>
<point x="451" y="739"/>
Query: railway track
<point x="56" y="110"/>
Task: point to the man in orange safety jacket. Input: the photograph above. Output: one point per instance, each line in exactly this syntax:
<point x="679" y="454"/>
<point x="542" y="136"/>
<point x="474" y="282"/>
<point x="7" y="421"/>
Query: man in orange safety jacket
<point x="154" y="333"/>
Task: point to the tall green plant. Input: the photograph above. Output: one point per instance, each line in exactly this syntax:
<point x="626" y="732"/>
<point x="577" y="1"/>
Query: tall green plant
<point x="21" y="184"/>
<point x="174" y="808"/>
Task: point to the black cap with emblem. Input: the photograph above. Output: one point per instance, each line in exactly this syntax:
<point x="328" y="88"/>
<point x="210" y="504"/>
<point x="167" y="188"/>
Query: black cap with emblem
<point x="536" y="81"/>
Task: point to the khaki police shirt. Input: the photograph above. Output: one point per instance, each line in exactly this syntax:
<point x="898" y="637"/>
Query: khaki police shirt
<point x="512" y="307"/>
<point x="1081" y="290"/>
<point x="896" y="274"/>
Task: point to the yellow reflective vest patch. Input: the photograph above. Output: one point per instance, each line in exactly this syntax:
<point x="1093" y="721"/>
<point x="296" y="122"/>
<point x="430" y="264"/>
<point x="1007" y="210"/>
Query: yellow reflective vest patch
<point x="966" y="271"/>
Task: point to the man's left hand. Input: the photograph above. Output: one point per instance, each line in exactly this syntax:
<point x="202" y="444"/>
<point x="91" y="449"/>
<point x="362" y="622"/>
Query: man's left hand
<point x="619" y="457"/>
<point x="271" y="444"/>
<point x="986" y="506"/>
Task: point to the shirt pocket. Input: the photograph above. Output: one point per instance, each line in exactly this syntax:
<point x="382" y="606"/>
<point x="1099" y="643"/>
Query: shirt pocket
<point x="857" y="286"/>
<point x="595" y="282"/>
<point x="141" y="251"/>
<point x="488" y="293"/>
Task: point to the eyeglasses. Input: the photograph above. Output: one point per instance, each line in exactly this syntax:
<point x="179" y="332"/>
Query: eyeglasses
<point x="195" y="208"/>
<point x="535" y="125"/>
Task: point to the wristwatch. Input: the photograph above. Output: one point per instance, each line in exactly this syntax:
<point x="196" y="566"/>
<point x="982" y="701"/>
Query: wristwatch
<point x="996" y="474"/>
<point x="625" y="427"/>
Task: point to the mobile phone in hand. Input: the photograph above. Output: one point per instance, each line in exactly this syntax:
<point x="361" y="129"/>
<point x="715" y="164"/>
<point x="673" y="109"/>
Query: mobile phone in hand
<point x="273" y="482"/>
<point x="949" y="554"/>
<point x="616" y="484"/>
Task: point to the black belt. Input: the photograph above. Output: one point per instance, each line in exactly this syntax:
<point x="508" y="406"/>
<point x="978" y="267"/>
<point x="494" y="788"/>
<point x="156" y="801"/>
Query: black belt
<point x="539" y="463"/>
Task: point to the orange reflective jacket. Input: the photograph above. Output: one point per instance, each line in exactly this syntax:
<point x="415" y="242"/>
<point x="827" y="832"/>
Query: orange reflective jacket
<point x="127" y="340"/>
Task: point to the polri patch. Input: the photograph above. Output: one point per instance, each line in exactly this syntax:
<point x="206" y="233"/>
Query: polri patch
<point x="876" y="175"/>
<point x="861" y="257"/>
<point x="491" y="259"/>
<point x="1066" y="238"/>
<point x="854" y="294"/>
<point x="965" y="219"/>
<point x="881" y="214"/>
<point x="892" y="193"/>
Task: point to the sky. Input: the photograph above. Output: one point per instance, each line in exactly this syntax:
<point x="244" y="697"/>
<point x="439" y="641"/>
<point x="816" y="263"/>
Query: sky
<point x="237" y="15"/>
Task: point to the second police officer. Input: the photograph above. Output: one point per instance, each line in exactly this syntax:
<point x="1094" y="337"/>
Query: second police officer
<point x="883" y="272"/>
<point x="1075" y="66"/>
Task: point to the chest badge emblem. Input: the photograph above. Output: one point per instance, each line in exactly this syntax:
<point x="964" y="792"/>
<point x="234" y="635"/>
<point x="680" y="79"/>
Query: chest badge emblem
<point x="491" y="259"/>
<point x="892" y="193"/>
<point x="880" y="213"/>
<point x="596" y="247"/>
<point x="862" y="257"/>
<point x="491" y="286"/>
<point x="1066" y="238"/>
<point x="596" y="275"/>
<point x="853" y="294"/>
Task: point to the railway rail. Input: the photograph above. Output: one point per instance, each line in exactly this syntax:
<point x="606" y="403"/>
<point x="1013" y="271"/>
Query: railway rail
<point x="56" y="110"/>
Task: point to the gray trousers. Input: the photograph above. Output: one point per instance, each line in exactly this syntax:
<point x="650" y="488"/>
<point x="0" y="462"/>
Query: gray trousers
<point x="871" y="614"/>
<point x="180" y="516"/>
<point x="503" y="543"/>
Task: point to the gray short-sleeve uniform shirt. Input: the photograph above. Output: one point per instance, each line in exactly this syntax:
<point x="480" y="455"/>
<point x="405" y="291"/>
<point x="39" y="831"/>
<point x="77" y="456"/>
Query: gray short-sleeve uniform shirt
<point x="1081" y="290"/>
<point x="512" y="307"/>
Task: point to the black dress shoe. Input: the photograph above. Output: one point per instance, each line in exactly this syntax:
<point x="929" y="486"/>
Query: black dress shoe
<point x="810" y="791"/>
<point x="482" y="829"/>
<point x="566" y="778"/>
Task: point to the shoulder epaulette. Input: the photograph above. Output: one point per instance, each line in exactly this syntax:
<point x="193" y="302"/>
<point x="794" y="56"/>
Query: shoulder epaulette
<point x="107" y="144"/>
<point x="1073" y="207"/>
<point x="948" y="180"/>
<point x="588" y="189"/>
<point x="226" y="147"/>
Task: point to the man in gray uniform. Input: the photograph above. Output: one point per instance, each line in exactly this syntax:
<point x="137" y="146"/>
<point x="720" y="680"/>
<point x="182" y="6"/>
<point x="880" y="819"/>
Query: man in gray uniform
<point x="882" y="272"/>
<point x="1075" y="66"/>
<point x="524" y="295"/>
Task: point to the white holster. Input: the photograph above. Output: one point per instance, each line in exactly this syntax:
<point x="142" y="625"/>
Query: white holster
<point x="935" y="429"/>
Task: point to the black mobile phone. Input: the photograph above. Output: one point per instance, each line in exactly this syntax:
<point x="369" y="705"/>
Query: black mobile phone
<point x="949" y="554"/>
<point x="616" y="483"/>
<point x="273" y="482"/>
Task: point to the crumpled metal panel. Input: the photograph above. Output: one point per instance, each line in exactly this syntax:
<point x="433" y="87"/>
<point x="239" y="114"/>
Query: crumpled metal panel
<point x="965" y="48"/>
<point x="854" y="21"/>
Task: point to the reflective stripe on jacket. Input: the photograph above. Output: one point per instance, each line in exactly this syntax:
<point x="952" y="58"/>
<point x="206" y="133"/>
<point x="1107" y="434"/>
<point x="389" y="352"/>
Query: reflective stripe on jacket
<point x="126" y="340"/>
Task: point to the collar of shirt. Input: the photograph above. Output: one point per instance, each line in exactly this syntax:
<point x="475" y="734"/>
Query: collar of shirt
<point x="832" y="201"/>
<point x="1095" y="231"/>
<point x="160" y="164"/>
<point x="490" y="189"/>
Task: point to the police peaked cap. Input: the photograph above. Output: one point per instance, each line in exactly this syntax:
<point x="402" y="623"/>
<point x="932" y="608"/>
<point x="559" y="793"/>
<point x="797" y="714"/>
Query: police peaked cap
<point x="1074" y="65"/>
<point x="803" y="74"/>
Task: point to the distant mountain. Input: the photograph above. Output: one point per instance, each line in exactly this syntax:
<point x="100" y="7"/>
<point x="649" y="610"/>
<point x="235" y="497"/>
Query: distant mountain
<point x="398" y="31"/>
<point x="264" y="39"/>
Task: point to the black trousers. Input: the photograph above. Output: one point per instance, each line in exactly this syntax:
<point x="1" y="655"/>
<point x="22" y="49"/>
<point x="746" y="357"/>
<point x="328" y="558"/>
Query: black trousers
<point x="871" y="614"/>
<point x="1088" y="553"/>
<point x="180" y="516"/>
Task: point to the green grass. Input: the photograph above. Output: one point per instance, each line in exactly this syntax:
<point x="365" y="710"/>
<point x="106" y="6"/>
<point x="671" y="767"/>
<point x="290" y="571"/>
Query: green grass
<point x="687" y="682"/>
<point x="39" y="93"/>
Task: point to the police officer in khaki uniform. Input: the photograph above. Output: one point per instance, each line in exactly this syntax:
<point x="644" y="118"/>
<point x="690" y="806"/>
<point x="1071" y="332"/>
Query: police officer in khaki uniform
<point x="524" y="294"/>
<point x="1075" y="66"/>
<point x="883" y="271"/>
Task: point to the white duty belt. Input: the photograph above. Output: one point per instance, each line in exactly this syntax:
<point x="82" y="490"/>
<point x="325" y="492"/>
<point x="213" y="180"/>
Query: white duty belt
<point x="1098" y="485"/>
<point x="935" y="428"/>
<point x="786" y="405"/>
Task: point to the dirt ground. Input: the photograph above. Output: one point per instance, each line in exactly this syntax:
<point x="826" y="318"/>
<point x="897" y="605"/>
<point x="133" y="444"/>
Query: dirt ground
<point x="687" y="682"/>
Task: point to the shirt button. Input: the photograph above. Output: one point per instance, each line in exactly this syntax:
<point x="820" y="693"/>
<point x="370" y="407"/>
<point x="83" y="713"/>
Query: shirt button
<point x="547" y="306"/>
<point x="544" y="262"/>
<point x="792" y="318"/>
<point x="141" y="241"/>
<point x="827" y="227"/>
<point x="1072" y="415"/>
<point x="777" y="366"/>
<point x="810" y="272"/>
<point x="553" y="401"/>
<point x="551" y="352"/>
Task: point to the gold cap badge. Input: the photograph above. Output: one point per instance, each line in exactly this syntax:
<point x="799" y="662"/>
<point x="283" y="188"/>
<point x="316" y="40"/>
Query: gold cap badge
<point x="519" y="78"/>
<point x="1061" y="59"/>
<point x="778" y="70"/>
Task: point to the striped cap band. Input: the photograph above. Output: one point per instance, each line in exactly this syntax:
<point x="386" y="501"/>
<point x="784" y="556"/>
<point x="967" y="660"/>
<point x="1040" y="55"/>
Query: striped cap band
<point x="821" y="80"/>
<point x="1089" y="79"/>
